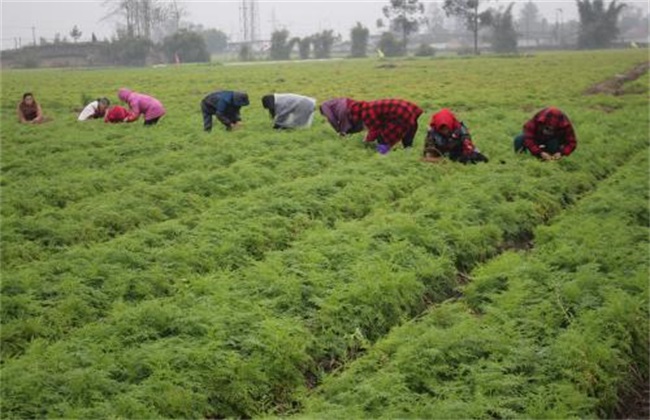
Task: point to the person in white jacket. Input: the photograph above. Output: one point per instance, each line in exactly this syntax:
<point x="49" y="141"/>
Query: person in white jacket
<point x="95" y="109"/>
<point x="289" y="110"/>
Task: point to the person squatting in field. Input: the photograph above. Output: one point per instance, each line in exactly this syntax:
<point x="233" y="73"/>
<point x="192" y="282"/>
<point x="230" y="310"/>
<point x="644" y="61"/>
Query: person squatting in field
<point x="29" y="111"/>
<point x="139" y="103"/>
<point x="289" y="110"/>
<point x="116" y="114"/>
<point x="448" y="137"/>
<point x="389" y="121"/>
<point x="337" y="113"/>
<point x="95" y="109"/>
<point x="226" y="106"/>
<point x="548" y="135"/>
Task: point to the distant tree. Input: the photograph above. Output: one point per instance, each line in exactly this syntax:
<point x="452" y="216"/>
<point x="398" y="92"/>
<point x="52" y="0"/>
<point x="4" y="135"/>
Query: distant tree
<point x="359" y="36"/>
<point x="391" y="46"/>
<point x="140" y="17"/>
<point x="598" y="25"/>
<point x="379" y="23"/>
<point x="425" y="50"/>
<point x="323" y="43"/>
<point x="93" y="38"/>
<point x="504" y="35"/>
<point x="57" y="38"/>
<point x="304" y="47"/>
<point x="42" y="41"/>
<point x="405" y="16"/>
<point x="281" y="46"/>
<point x="216" y="41"/>
<point x="130" y="51"/>
<point x="75" y="33"/>
<point x="245" y="53"/>
<point x="469" y="11"/>
<point x="528" y="18"/>
<point x="188" y="46"/>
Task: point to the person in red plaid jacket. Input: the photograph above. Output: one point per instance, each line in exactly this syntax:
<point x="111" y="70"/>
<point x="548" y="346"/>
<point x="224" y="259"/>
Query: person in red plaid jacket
<point x="548" y="135"/>
<point x="449" y="137"/>
<point x="389" y="121"/>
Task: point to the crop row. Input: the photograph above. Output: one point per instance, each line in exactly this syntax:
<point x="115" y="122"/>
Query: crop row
<point x="151" y="273"/>
<point x="229" y="312"/>
<point x="557" y="332"/>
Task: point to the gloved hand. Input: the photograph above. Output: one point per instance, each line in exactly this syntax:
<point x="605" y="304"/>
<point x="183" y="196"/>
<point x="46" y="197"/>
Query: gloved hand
<point x="383" y="148"/>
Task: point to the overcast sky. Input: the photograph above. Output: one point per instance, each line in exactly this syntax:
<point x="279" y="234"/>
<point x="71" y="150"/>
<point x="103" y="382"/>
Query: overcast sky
<point x="47" y="17"/>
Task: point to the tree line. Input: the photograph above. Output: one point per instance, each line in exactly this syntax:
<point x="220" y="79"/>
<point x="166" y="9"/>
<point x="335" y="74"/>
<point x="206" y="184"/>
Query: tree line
<point x="146" y="27"/>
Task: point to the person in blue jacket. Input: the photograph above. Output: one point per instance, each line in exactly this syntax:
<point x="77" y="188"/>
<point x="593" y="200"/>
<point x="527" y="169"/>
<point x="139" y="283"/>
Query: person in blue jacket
<point x="225" y="105"/>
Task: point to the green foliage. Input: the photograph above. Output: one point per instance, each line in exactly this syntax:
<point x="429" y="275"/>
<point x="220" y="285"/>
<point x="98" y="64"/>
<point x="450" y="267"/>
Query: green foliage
<point x="190" y="47"/>
<point x="425" y="50"/>
<point x="75" y="33"/>
<point x="598" y="25"/>
<point x="323" y="42"/>
<point x="216" y="41"/>
<point x="542" y="339"/>
<point x="304" y="47"/>
<point x="390" y="46"/>
<point x="359" y="39"/>
<point x="281" y="46"/>
<point x="405" y="16"/>
<point x="166" y="272"/>
<point x="469" y="11"/>
<point x="245" y="53"/>
<point x="504" y="35"/>
<point x="128" y="51"/>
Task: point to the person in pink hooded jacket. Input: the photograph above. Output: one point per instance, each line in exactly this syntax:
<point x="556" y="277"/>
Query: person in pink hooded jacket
<point x="139" y="103"/>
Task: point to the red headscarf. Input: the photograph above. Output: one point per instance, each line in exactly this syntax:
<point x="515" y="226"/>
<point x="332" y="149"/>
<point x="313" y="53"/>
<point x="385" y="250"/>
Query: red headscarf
<point x="444" y="117"/>
<point x="116" y="114"/>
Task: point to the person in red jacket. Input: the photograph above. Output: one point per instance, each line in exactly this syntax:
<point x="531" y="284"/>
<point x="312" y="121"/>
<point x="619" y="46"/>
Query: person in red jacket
<point x="448" y="137"/>
<point x="116" y="114"/>
<point x="548" y="135"/>
<point x="389" y="121"/>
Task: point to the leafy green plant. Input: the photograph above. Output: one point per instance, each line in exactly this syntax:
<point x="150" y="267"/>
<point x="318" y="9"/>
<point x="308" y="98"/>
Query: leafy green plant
<point x="167" y="272"/>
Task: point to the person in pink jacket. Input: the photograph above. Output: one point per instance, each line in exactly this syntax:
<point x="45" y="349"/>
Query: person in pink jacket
<point x="139" y="103"/>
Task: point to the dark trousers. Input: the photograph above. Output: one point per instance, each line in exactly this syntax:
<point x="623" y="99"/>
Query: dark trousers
<point x="407" y="141"/>
<point x="208" y="112"/>
<point x="152" y="121"/>
<point x="550" y="146"/>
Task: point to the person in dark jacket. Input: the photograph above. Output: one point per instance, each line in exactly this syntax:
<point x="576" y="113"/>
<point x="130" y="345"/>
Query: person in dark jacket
<point x="225" y="105"/>
<point x="548" y="135"/>
<point x="389" y="121"/>
<point x="337" y="112"/>
<point x="448" y="137"/>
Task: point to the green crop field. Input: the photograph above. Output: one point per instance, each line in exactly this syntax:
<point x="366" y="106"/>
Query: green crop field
<point x="162" y="271"/>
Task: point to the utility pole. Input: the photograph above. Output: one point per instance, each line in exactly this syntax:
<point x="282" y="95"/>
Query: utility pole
<point x="560" y="29"/>
<point x="243" y="20"/>
<point x="34" y="35"/>
<point x="249" y="20"/>
<point x="254" y="20"/>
